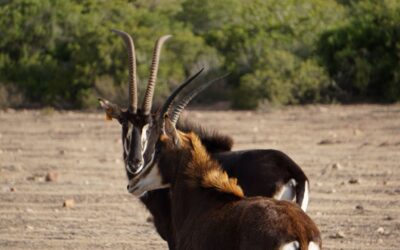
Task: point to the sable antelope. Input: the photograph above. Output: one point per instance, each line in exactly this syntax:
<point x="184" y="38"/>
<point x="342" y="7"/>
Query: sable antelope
<point x="268" y="173"/>
<point x="136" y="121"/>
<point x="209" y="210"/>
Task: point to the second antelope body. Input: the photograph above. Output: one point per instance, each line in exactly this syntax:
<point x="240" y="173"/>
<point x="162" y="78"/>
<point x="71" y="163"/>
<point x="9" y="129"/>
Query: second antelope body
<point x="209" y="210"/>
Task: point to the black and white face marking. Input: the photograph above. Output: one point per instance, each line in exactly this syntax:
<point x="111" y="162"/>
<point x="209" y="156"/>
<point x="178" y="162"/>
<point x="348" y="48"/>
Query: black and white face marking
<point x="149" y="178"/>
<point x="131" y="141"/>
<point x="145" y="137"/>
<point x="135" y="135"/>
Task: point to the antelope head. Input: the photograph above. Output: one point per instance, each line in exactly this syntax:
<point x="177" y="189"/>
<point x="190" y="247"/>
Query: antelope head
<point x="164" y="123"/>
<point x="136" y="122"/>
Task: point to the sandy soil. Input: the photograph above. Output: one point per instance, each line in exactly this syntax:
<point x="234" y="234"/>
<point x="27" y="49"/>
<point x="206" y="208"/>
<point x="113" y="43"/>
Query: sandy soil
<point x="350" y="153"/>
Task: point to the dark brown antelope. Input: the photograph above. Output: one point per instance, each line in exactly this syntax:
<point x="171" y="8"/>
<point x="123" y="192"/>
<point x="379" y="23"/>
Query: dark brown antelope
<point x="209" y="210"/>
<point x="268" y="173"/>
<point x="136" y="121"/>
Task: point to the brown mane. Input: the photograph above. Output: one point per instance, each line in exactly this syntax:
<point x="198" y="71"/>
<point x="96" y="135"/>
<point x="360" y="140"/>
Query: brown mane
<point x="205" y="172"/>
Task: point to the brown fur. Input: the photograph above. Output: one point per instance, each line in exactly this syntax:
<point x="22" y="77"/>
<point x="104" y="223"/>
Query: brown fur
<point x="207" y="173"/>
<point x="203" y="219"/>
<point x="258" y="172"/>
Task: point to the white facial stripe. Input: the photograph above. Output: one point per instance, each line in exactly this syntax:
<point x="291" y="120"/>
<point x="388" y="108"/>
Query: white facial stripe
<point x="145" y="137"/>
<point x="128" y="139"/>
<point x="150" y="162"/>
<point x="126" y="147"/>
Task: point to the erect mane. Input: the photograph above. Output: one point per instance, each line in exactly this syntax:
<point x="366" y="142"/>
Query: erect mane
<point x="205" y="172"/>
<point x="213" y="141"/>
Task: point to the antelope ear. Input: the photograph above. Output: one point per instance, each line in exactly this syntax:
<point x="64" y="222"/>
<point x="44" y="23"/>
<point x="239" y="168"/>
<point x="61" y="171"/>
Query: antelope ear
<point x="170" y="130"/>
<point x="112" y="110"/>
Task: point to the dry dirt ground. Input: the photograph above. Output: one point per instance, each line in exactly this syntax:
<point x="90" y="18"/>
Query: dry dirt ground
<point x="350" y="153"/>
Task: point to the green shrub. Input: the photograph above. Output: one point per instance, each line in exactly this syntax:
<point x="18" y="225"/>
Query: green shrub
<point x="63" y="54"/>
<point x="266" y="44"/>
<point x="363" y="56"/>
<point x="282" y="78"/>
<point x="55" y="51"/>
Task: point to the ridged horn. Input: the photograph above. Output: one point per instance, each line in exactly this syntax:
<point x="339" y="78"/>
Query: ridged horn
<point x="171" y="98"/>
<point x="133" y="96"/>
<point x="185" y="101"/>
<point x="148" y="98"/>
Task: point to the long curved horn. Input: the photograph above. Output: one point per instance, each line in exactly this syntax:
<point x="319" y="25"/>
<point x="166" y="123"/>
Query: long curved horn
<point x="132" y="69"/>
<point x="148" y="98"/>
<point x="171" y="98"/>
<point x="185" y="101"/>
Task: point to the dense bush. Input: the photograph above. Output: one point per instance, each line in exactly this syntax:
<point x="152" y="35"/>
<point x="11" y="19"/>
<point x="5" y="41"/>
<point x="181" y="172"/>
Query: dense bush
<point x="363" y="56"/>
<point x="62" y="53"/>
<point x="269" y="45"/>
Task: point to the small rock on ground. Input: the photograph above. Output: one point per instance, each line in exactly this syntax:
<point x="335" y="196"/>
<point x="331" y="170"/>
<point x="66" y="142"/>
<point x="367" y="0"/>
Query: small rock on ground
<point x="69" y="203"/>
<point x="52" y="176"/>
<point x="338" y="235"/>
<point x="354" y="181"/>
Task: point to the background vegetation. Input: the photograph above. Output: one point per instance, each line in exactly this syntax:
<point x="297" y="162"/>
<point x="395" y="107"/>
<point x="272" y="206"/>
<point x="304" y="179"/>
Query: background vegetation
<point x="62" y="53"/>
